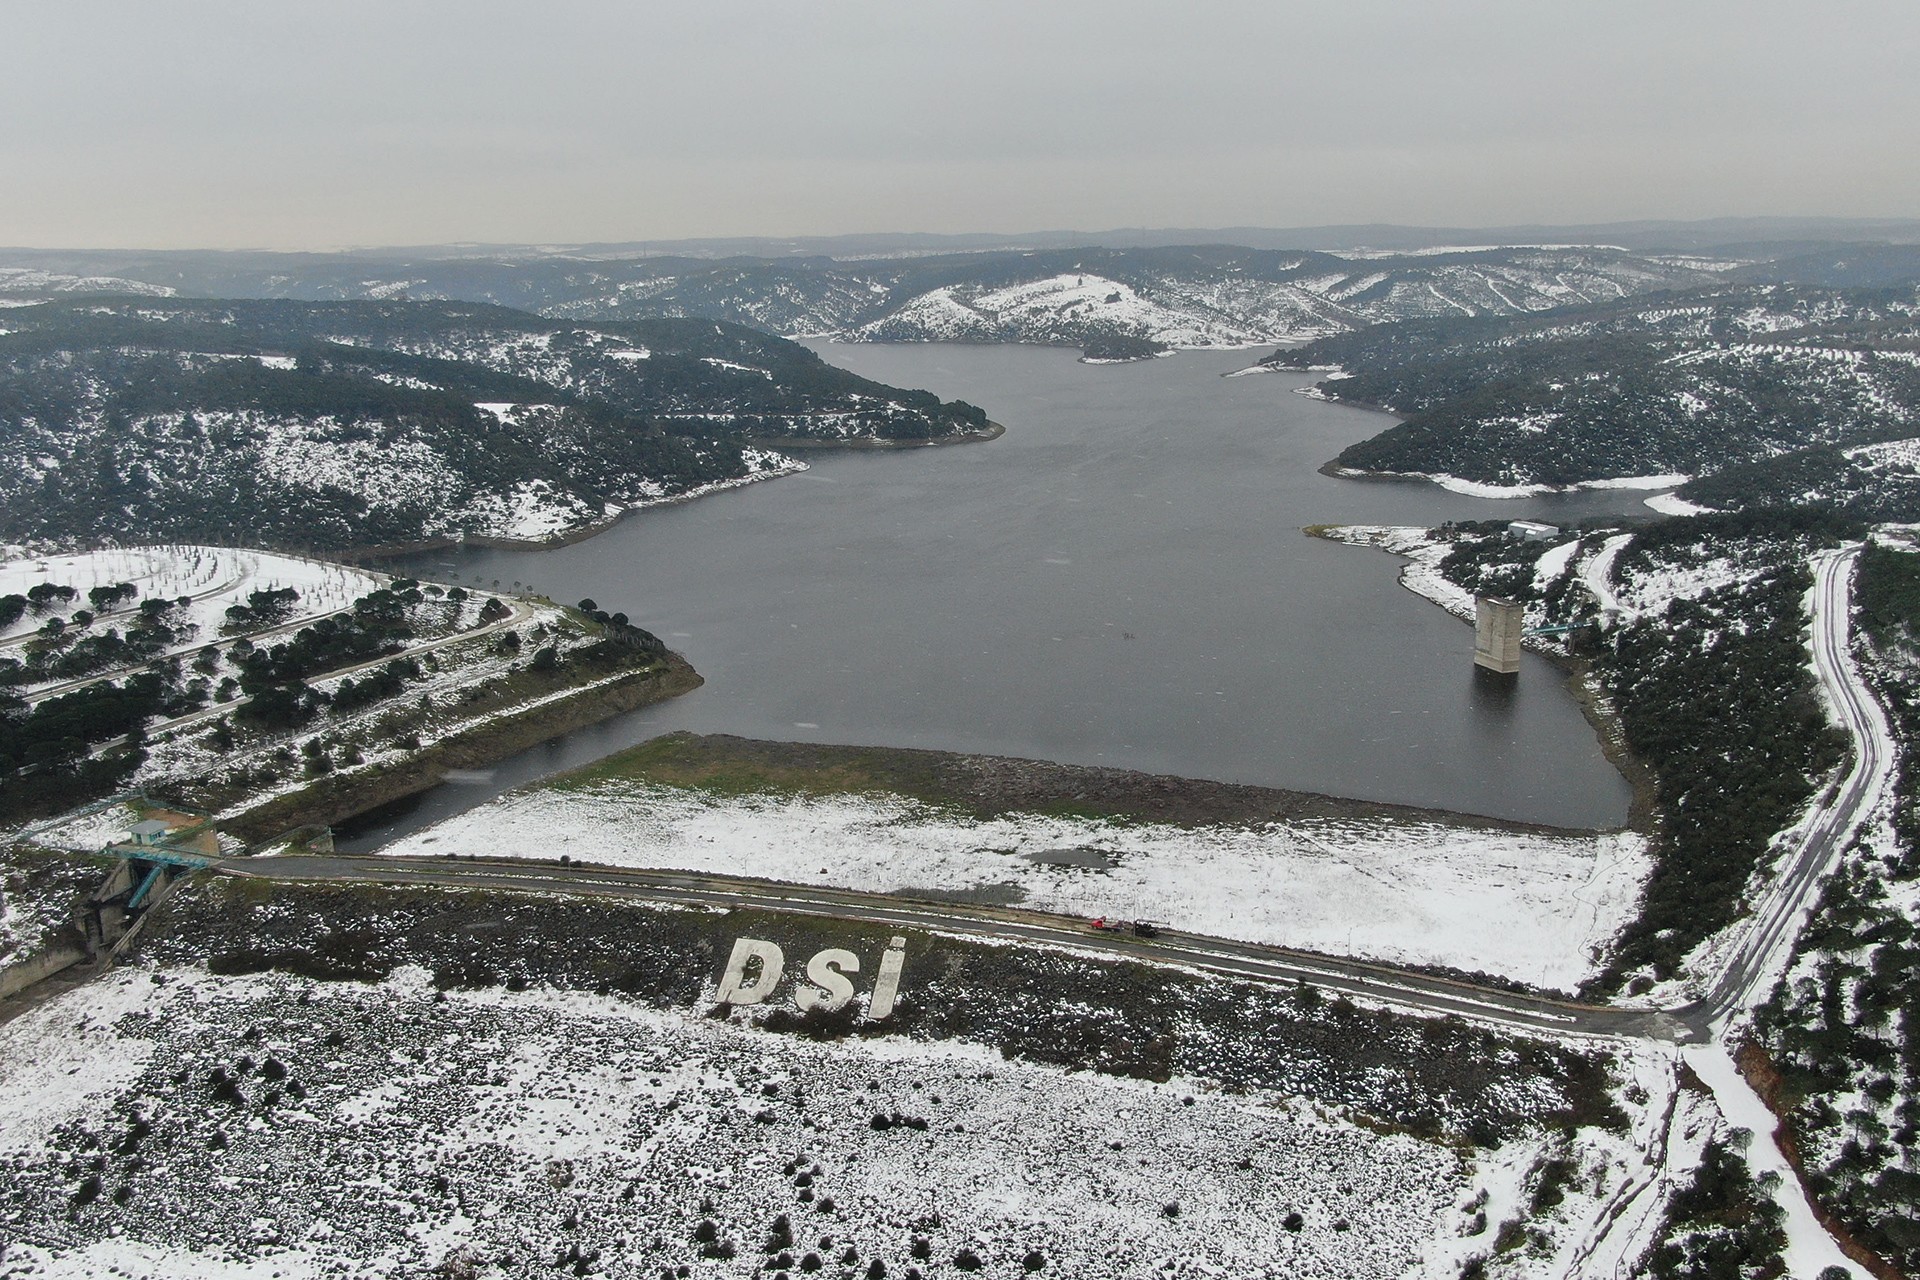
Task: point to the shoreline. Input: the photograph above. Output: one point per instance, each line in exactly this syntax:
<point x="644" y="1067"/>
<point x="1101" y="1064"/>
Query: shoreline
<point x="490" y="542"/>
<point x="987" y="786"/>
<point x="1579" y="683"/>
<point x="1660" y="486"/>
<point x="1257" y="864"/>
<point x="341" y="796"/>
<point x="992" y="431"/>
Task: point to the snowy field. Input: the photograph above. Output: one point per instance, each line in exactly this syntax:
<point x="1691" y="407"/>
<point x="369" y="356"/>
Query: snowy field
<point x="152" y="1125"/>
<point x="213" y="577"/>
<point x="1529" y="906"/>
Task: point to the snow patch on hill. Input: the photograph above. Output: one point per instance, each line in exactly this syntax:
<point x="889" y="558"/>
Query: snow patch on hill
<point x="27" y="280"/>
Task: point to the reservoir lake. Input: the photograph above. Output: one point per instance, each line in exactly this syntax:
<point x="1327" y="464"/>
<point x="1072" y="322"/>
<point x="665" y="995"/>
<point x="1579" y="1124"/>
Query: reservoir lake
<point x="1121" y="579"/>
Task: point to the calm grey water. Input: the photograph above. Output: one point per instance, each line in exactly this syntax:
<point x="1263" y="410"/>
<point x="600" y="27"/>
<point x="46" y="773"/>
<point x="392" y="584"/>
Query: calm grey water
<point x="1120" y="580"/>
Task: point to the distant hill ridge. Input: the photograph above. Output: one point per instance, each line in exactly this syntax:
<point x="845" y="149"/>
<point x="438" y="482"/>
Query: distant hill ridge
<point x="1182" y="296"/>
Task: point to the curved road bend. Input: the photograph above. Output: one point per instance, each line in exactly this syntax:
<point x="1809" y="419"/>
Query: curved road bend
<point x="1750" y="966"/>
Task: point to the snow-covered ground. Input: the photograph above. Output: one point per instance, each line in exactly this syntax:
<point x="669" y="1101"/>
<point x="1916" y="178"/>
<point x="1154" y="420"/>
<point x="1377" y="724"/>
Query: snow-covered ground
<point x="1597" y="572"/>
<point x="38" y="897"/>
<point x="1530" y="906"/>
<point x="1480" y="489"/>
<point x="762" y="464"/>
<point x="1645" y="585"/>
<point x="1901" y="454"/>
<point x="532" y="511"/>
<point x="464" y="658"/>
<point x="214" y="577"/>
<point x="1810" y="1249"/>
<point x="460" y="654"/>
<point x="31" y="284"/>
<point x="87" y="830"/>
<point x="1036" y="309"/>
<point x="1672" y="504"/>
<point x="508" y="1128"/>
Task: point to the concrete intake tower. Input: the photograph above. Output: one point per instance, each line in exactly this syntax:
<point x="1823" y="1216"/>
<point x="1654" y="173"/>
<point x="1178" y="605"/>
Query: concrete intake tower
<point x="1497" y="625"/>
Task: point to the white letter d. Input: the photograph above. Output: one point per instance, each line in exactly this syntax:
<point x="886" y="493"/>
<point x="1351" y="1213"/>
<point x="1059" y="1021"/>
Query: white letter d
<point x="734" y="986"/>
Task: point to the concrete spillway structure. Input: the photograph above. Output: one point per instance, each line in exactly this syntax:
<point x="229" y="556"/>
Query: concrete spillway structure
<point x="1497" y="625"/>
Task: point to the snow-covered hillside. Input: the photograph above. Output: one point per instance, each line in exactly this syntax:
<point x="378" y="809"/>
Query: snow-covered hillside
<point x="1761" y="394"/>
<point x="398" y="423"/>
<point x="27" y="283"/>
<point x="1201" y="296"/>
<point x="1235" y="303"/>
<point x="642" y="1125"/>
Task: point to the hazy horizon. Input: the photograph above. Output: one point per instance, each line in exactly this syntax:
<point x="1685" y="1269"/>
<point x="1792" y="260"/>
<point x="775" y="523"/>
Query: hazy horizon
<point x="220" y="124"/>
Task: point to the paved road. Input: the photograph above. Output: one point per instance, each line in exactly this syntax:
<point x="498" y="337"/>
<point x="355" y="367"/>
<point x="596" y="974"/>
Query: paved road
<point x="1404" y="988"/>
<point x="1751" y="966"/>
<point x="42" y="692"/>
<point x="1761" y="953"/>
<point x="113" y="615"/>
<point x="1597" y="574"/>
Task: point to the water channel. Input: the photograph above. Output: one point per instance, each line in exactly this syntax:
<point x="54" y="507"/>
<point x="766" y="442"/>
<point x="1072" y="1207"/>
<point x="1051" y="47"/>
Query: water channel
<point x="1119" y="580"/>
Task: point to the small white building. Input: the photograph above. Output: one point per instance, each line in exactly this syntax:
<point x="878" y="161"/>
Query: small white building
<point x="1533" y="530"/>
<point x="150" y="833"/>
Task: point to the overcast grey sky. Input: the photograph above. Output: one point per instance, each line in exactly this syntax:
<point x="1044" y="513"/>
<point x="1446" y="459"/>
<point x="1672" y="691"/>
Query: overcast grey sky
<point x="323" y="124"/>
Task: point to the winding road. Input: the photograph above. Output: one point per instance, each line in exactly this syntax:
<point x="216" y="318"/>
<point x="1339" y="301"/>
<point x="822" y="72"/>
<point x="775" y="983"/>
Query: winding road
<point x="518" y="611"/>
<point x="1764" y="946"/>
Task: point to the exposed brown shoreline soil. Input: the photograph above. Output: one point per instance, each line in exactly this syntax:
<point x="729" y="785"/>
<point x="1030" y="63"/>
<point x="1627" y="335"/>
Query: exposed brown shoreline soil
<point x="338" y="797"/>
<point x="1642" y="812"/>
<point x="989" y="786"/>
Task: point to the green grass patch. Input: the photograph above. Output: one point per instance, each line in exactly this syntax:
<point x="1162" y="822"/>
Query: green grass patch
<point x="980" y="786"/>
<point x="729" y="766"/>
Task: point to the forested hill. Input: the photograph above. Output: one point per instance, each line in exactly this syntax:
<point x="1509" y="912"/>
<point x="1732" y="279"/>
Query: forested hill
<point x="1195" y="296"/>
<point x="332" y="425"/>
<point x="1766" y="394"/>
